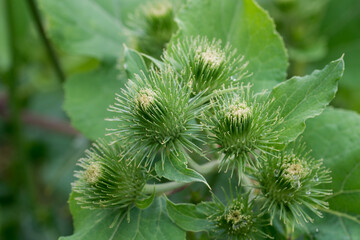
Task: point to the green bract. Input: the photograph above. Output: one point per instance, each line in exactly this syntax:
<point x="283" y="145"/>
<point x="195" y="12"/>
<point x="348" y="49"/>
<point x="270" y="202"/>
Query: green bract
<point x="237" y="219"/>
<point x="207" y="64"/>
<point x="155" y="113"/>
<point x="108" y="179"/>
<point x="291" y="184"/>
<point x="242" y="127"/>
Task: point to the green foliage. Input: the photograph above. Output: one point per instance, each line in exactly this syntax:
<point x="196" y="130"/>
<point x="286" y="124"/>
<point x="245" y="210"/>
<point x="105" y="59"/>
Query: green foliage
<point x="334" y="136"/>
<point x="300" y="98"/>
<point x="37" y="156"/>
<point x="191" y="217"/>
<point x="102" y="38"/>
<point x="99" y="38"/>
<point x="151" y="223"/>
<point x="299" y="23"/>
<point x="315" y="33"/>
<point x="342" y="33"/>
<point x="202" y="101"/>
<point x="174" y="167"/>
<point x="88" y="107"/>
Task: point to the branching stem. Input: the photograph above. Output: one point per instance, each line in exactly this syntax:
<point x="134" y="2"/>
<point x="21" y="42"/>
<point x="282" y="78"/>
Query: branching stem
<point x="206" y="168"/>
<point x="160" y="188"/>
<point x="49" y="48"/>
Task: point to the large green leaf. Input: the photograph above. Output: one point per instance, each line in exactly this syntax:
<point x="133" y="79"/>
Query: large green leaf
<point x="96" y="28"/>
<point x="247" y="27"/>
<point x="335" y="137"/>
<point x="85" y="27"/>
<point x="191" y="217"/>
<point x="123" y="9"/>
<point x="87" y="97"/>
<point x="175" y="168"/>
<point x="120" y="9"/>
<point x="149" y="224"/>
<point x="305" y="97"/>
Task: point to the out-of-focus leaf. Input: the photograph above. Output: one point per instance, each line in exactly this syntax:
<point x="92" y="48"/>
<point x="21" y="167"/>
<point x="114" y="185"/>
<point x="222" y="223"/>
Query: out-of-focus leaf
<point x="335" y="137"/>
<point x="87" y="97"/>
<point x="84" y="27"/>
<point x="343" y="37"/>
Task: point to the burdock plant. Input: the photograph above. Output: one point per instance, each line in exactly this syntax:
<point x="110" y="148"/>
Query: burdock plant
<point x="209" y="65"/>
<point x="237" y="219"/>
<point x="211" y="104"/>
<point x="160" y="118"/>
<point x="108" y="179"/>
<point x="291" y="185"/>
<point x="155" y="113"/>
<point x="242" y="128"/>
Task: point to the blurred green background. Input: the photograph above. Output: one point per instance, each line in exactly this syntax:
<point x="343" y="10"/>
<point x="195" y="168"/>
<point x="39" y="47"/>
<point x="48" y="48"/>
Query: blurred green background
<point x="38" y="146"/>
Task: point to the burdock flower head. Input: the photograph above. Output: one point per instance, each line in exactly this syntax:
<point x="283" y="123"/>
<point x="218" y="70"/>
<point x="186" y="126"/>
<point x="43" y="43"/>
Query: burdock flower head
<point x="107" y="179"/>
<point x="242" y="127"/>
<point x="290" y="185"/>
<point x="237" y="219"/>
<point x="153" y="25"/>
<point x="155" y="113"/>
<point x="210" y="65"/>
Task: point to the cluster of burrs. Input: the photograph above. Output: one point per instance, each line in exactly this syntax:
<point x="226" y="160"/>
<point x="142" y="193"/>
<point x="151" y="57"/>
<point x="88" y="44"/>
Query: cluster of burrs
<point x="198" y="102"/>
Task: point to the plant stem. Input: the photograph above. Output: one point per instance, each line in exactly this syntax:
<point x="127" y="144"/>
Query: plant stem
<point x="49" y="48"/>
<point x="162" y="187"/>
<point x="206" y="168"/>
